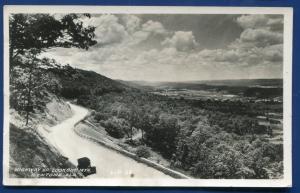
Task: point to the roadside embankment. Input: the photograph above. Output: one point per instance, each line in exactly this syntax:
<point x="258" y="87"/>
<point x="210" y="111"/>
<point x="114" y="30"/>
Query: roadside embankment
<point x="92" y="135"/>
<point x="32" y="157"/>
<point x="30" y="154"/>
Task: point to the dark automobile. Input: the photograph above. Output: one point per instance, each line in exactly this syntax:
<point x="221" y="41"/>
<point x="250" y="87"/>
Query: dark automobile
<point x="84" y="165"/>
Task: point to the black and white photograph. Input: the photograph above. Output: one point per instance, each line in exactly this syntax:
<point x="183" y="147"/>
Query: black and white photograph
<point x="147" y="96"/>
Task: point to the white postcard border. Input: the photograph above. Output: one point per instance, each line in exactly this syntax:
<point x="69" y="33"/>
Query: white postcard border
<point x="287" y="97"/>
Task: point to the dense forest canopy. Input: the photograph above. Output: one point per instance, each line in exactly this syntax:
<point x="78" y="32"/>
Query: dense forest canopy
<point x="205" y="138"/>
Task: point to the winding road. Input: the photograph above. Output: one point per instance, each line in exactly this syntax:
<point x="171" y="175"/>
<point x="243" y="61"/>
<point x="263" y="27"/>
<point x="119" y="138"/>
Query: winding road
<point x="109" y="164"/>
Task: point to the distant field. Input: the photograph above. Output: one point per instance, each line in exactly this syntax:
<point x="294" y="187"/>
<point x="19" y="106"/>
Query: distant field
<point x="259" y="88"/>
<point x="234" y="82"/>
<point x="245" y="82"/>
<point x="196" y="94"/>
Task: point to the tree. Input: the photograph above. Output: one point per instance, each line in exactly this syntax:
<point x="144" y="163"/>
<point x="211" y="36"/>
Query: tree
<point x="116" y="127"/>
<point x="162" y="135"/>
<point x="143" y="151"/>
<point x="31" y="34"/>
<point x="42" y="31"/>
<point x="142" y="121"/>
<point x="29" y="106"/>
<point x="132" y="115"/>
<point x="31" y="84"/>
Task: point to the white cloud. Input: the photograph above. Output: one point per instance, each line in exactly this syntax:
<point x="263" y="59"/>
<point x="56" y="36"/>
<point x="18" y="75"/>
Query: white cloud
<point x="182" y="41"/>
<point x="153" y="27"/>
<point x="256" y="53"/>
<point x="127" y="29"/>
<point x="131" y="22"/>
<point x="259" y="31"/>
<point x="273" y="53"/>
<point x="259" y="44"/>
<point x="252" y="21"/>
<point x="261" y="37"/>
<point x="270" y="22"/>
<point x="145" y="31"/>
<point x="108" y="29"/>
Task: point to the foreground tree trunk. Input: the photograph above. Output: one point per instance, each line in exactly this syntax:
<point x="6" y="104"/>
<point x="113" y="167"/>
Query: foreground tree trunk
<point x="11" y="65"/>
<point x="131" y="133"/>
<point x="142" y="135"/>
<point x="28" y="105"/>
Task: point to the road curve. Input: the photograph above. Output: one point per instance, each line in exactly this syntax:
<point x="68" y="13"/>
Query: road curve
<point x="109" y="164"/>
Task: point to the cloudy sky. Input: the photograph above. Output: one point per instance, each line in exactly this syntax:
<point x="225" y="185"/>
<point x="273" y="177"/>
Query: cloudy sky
<point x="181" y="47"/>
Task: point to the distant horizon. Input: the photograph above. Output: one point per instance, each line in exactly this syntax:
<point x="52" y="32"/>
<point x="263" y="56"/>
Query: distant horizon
<point x="154" y="81"/>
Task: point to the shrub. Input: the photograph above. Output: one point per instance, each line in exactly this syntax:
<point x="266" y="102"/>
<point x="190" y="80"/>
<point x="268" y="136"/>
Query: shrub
<point x="143" y="151"/>
<point x="93" y="112"/>
<point x="100" y="116"/>
<point x="113" y="130"/>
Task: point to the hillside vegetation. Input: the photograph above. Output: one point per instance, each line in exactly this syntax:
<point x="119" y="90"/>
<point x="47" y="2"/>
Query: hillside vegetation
<point x="32" y="152"/>
<point x="73" y="83"/>
<point x="203" y="139"/>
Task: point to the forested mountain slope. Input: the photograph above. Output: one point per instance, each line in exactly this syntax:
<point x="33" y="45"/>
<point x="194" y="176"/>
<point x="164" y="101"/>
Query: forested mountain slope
<point x="217" y="140"/>
<point x="76" y="82"/>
